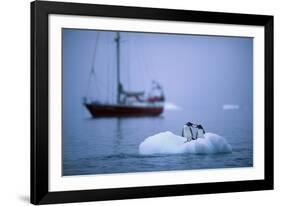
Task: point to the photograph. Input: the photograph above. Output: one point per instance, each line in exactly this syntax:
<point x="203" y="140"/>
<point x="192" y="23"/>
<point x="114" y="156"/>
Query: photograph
<point x="138" y="101"/>
<point x="152" y="102"/>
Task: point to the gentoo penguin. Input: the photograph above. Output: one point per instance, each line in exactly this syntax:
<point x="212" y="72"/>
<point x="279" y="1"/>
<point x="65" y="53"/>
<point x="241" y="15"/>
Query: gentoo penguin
<point x="200" y="132"/>
<point x="187" y="132"/>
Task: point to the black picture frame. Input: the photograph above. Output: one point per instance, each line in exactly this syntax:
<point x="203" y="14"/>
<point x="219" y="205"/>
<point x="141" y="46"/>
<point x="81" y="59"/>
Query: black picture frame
<point x="40" y="107"/>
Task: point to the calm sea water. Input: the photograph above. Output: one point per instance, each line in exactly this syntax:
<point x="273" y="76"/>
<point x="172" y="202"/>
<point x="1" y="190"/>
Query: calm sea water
<point x="110" y="145"/>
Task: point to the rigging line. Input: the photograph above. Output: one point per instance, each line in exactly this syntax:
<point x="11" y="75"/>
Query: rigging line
<point x="111" y="86"/>
<point x="110" y="93"/>
<point x="139" y="62"/>
<point x="145" y="64"/>
<point x="114" y="73"/>
<point x="128" y="61"/>
<point x="100" y="84"/>
<point x="107" y="73"/>
<point x="114" y="89"/>
<point x="92" y="71"/>
<point x="113" y="70"/>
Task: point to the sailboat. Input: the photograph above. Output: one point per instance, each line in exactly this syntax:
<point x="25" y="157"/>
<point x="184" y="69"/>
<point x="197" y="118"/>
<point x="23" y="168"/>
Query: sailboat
<point x="128" y="103"/>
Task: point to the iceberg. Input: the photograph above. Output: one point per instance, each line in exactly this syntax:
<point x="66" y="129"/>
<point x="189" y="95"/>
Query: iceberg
<point x="169" y="143"/>
<point x="230" y="107"/>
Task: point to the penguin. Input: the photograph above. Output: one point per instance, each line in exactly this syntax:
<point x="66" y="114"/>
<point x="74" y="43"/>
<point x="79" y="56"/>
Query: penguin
<point x="200" y="131"/>
<point x="187" y="132"/>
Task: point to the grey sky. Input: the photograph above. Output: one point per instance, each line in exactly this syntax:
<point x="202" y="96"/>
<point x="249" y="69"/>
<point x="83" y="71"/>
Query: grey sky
<point x="195" y="71"/>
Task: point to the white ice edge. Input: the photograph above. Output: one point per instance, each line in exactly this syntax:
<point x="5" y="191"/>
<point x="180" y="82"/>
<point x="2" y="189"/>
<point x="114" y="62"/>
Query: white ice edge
<point x="169" y="143"/>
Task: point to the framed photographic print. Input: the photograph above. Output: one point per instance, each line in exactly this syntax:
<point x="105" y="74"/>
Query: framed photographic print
<point x="131" y="102"/>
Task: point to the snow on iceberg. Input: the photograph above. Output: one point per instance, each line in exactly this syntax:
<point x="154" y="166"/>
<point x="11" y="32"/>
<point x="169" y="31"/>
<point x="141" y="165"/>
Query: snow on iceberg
<point x="169" y="143"/>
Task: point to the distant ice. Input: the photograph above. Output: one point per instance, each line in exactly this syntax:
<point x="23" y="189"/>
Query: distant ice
<point x="230" y="106"/>
<point x="169" y="143"/>
<point x="171" y="106"/>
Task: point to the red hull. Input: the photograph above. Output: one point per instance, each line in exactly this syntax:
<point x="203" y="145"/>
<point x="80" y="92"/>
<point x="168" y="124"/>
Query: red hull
<point x="98" y="110"/>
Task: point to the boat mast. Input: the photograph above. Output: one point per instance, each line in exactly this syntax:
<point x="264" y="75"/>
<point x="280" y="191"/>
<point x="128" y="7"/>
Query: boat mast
<point x="117" y="39"/>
